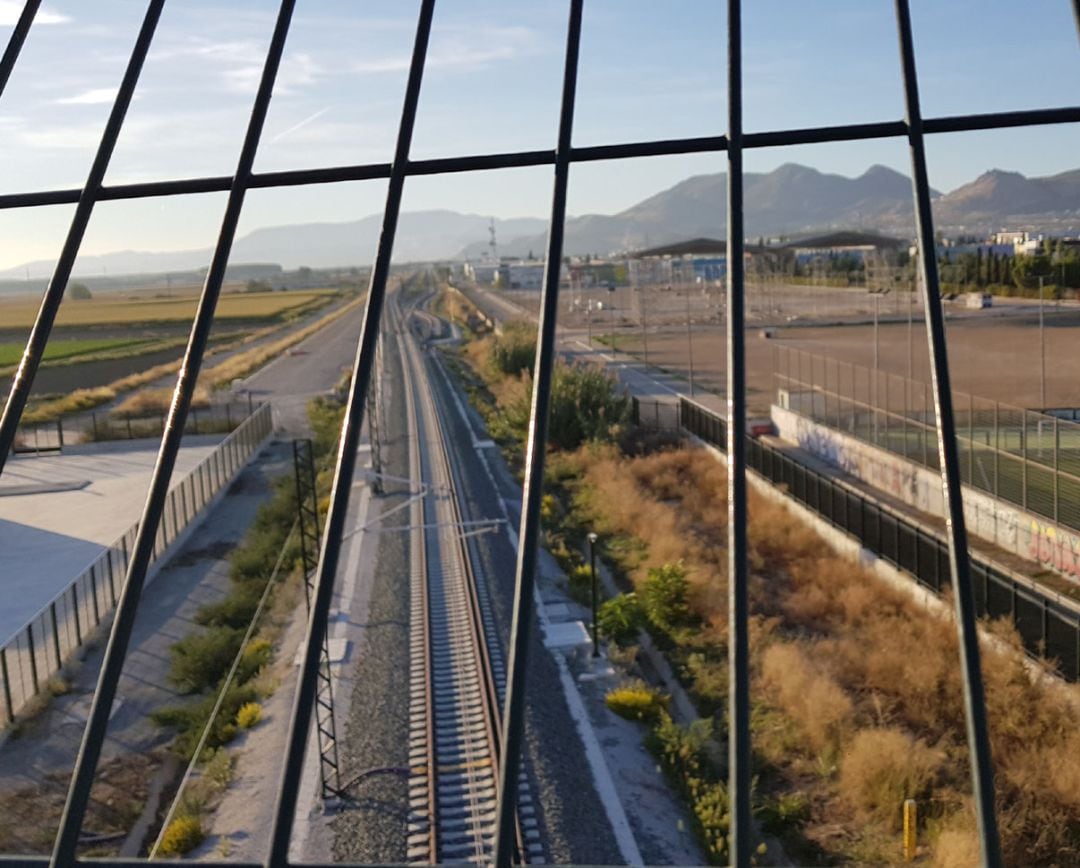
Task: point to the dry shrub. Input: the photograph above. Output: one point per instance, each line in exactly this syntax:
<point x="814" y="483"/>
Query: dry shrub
<point x="156" y="402"/>
<point x="883" y="767"/>
<point x="821" y="707"/>
<point x="957" y="846"/>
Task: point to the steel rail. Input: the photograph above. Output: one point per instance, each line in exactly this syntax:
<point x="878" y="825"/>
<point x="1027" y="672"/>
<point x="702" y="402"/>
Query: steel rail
<point x="442" y="475"/>
<point x="54" y="295"/>
<point x="534" y="158"/>
<point x="419" y="585"/>
<point x="480" y="622"/>
<point x="112" y="665"/>
<point x="739" y="754"/>
<point x="300" y="720"/>
<point x="16" y="41"/>
<point x="529" y="533"/>
<point x="982" y="769"/>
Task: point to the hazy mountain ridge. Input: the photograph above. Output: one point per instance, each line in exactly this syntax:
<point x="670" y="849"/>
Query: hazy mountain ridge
<point x="790" y="200"/>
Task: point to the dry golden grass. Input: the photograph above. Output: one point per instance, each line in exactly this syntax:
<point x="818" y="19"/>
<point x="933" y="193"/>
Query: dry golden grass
<point x="883" y="767"/>
<point x="879" y="662"/>
<point x="818" y="705"/>
<point x="156" y="402"/>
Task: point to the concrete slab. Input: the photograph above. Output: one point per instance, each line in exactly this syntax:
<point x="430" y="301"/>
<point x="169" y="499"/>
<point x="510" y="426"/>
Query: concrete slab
<point x="73" y="505"/>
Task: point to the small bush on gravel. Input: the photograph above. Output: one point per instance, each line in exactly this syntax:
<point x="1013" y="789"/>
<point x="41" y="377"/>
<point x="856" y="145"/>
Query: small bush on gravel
<point x="514" y="351"/>
<point x="250" y="713"/>
<point x="200" y="660"/>
<point x="637" y="702"/>
<point x="184" y="834"/>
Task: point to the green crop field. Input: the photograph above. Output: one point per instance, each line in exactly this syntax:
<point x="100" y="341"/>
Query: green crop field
<point x="10" y="353"/>
<point x="20" y="313"/>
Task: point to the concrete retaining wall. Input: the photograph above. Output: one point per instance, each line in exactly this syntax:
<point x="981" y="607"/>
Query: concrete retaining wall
<point x="1028" y="535"/>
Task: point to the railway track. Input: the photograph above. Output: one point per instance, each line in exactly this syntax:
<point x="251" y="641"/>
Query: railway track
<point x="456" y="671"/>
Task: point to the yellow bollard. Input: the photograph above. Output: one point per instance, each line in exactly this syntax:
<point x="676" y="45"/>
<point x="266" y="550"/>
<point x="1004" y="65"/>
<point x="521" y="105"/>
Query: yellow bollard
<point x="910" y="822"/>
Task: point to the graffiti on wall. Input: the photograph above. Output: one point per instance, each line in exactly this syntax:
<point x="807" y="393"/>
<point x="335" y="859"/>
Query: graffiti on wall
<point x="1055" y="548"/>
<point x="887" y="473"/>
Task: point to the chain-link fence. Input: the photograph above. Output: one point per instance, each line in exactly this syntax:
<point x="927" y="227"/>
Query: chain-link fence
<point x="1049" y="626"/>
<point x="38" y="650"/>
<point x="1025" y="457"/>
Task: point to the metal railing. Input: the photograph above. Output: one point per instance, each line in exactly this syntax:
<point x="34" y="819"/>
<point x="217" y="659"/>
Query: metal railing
<point x="731" y="145"/>
<point x="1027" y="458"/>
<point x="38" y="650"/>
<point x="1049" y="628"/>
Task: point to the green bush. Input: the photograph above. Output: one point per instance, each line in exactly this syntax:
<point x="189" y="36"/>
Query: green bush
<point x="183" y="835"/>
<point x="514" y="351"/>
<point x="256" y="655"/>
<point x="620" y="618"/>
<point x="189" y="720"/>
<point x="586" y="405"/>
<point x="249" y="714"/>
<point x="201" y="660"/>
<point x="580" y="578"/>
<point x="236" y="610"/>
<point x="785" y="813"/>
<point x="637" y="702"/>
<point x="665" y="597"/>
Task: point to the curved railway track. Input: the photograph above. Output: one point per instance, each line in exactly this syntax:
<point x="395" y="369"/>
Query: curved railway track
<point x="456" y="672"/>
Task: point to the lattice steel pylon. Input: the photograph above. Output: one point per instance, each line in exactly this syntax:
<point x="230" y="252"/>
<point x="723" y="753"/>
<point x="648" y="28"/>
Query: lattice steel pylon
<point x="307" y="513"/>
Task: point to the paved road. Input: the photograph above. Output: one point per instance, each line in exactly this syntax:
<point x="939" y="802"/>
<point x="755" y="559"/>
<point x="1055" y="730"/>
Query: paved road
<point x="312" y="367"/>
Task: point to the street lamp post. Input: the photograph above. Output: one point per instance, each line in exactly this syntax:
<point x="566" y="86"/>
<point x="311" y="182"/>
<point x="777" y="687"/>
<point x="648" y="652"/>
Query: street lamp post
<point x="592" y="568"/>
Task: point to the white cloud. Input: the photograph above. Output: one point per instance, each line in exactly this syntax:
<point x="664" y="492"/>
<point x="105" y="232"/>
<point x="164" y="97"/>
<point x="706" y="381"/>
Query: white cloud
<point x="95" y="96"/>
<point x="462" y="48"/>
<point x="10" y="10"/>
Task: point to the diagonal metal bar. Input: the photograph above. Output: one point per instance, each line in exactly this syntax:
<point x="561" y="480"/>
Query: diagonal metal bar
<point x="15" y="43"/>
<point x="142" y="551"/>
<point x="513" y="723"/>
<point x="54" y="294"/>
<point x="304" y="701"/>
<point x="741" y="829"/>
<point x="982" y="771"/>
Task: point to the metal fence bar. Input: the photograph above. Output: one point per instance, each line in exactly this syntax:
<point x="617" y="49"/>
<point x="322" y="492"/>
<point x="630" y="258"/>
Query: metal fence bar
<point x="54" y="294"/>
<point x="304" y="700"/>
<point x="112" y="665"/>
<point x="739" y="754"/>
<point x="524" y="577"/>
<point x="15" y="42"/>
<point x="982" y="770"/>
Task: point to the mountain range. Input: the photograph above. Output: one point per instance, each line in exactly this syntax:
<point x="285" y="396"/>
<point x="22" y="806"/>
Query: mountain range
<point x="788" y="201"/>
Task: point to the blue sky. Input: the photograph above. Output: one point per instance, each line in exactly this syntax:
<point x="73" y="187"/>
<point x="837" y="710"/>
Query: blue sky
<point x="648" y="70"/>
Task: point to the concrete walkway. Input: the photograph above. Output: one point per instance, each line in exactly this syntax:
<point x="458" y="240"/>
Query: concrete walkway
<point x="58" y="512"/>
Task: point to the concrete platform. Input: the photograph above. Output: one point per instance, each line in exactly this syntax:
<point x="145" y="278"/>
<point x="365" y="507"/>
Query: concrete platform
<point x="57" y="513"/>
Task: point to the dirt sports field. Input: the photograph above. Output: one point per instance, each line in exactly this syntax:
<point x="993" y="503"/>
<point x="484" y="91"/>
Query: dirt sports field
<point x="993" y="354"/>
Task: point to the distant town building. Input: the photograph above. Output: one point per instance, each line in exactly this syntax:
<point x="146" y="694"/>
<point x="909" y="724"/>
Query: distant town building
<point x="482" y="273"/>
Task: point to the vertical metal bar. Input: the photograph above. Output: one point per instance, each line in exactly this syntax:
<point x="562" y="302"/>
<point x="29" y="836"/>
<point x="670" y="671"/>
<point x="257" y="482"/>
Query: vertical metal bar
<point x="1057" y="475"/>
<point x="9" y="707"/>
<point x="54" y="294"/>
<point x="982" y="770"/>
<point x="742" y="845"/>
<point x="524" y="578"/>
<point x="33" y="657"/>
<point x="75" y="610"/>
<point x="112" y="664"/>
<point x="304" y="700"/>
<point x="56" y="635"/>
<point x="15" y="42"/>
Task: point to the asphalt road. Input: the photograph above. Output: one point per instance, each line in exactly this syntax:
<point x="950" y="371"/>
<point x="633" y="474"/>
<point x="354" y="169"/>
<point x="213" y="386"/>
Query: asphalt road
<point x="312" y="367"/>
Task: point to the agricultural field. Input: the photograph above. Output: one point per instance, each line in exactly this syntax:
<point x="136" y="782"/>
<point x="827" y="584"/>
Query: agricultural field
<point x="62" y="350"/>
<point x="131" y="310"/>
